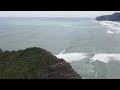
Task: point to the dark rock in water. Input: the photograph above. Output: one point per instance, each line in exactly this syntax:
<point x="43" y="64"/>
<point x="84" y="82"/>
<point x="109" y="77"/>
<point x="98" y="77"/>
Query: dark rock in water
<point x="113" y="17"/>
<point x="34" y="63"/>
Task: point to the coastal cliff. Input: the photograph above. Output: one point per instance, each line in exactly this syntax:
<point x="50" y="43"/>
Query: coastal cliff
<point x="34" y="63"/>
<point x="113" y="17"/>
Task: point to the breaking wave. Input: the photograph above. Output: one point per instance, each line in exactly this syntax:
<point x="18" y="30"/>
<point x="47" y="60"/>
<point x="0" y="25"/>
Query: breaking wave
<point x="113" y="26"/>
<point x="105" y="57"/>
<point x="110" y="32"/>
<point x="69" y="57"/>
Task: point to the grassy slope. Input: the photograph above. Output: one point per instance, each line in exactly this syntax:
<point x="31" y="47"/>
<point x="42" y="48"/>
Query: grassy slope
<point x="24" y="64"/>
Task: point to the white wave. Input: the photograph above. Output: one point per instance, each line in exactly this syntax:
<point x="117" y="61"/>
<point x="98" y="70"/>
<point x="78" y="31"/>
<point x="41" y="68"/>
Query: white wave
<point x="106" y="23"/>
<point x="69" y="57"/>
<point x="114" y="26"/>
<point x="109" y="23"/>
<point x="110" y="32"/>
<point x="105" y="57"/>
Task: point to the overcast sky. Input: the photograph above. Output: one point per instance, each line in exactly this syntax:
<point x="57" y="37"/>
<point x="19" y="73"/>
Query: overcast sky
<point x="54" y="13"/>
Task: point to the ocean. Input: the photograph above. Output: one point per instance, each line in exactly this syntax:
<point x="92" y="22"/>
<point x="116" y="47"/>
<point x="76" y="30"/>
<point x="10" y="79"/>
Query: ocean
<point x="91" y="47"/>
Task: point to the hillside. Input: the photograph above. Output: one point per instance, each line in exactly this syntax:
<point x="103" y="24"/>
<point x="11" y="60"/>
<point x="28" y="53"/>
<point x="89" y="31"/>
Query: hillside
<point x="34" y="63"/>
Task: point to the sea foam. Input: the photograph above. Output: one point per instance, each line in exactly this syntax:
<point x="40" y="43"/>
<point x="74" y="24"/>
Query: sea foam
<point x="114" y="26"/>
<point x="69" y="57"/>
<point x="110" y="32"/>
<point x="105" y="57"/>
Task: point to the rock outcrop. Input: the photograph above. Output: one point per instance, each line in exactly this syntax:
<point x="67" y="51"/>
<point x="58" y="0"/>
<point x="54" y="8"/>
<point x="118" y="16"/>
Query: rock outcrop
<point x="113" y="17"/>
<point x="34" y="63"/>
<point x="61" y="70"/>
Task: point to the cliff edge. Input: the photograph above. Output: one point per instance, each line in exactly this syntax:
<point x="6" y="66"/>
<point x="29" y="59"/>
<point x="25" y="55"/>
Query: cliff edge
<point x="34" y="63"/>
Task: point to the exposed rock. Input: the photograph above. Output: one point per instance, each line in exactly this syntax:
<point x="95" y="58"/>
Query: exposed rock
<point x="113" y="17"/>
<point x="61" y="70"/>
<point x="34" y="63"/>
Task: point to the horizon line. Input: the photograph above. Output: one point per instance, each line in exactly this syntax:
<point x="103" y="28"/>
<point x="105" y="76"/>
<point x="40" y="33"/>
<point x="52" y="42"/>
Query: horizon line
<point x="48" y="17"/>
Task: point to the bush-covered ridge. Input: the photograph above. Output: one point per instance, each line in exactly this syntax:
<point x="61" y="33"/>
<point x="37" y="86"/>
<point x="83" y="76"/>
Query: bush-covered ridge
<point x="31" y="63"/>
<point x="28" y="63"/>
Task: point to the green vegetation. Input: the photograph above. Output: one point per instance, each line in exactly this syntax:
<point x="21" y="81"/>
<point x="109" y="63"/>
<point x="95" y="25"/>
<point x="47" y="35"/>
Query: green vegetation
<point x="30" y="63"/>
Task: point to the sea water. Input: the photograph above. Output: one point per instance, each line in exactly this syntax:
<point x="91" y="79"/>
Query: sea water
<point x="91" y="47"/>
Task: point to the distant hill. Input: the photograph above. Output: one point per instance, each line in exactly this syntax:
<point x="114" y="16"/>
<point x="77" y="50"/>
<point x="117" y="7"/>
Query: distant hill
<point x="113" y="17"/>
<point x="34" y="63"/>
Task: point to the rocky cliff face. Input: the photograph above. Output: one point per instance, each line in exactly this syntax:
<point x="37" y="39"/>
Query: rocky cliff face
<point x="113" y="17"/>
<point x="61" y="70"/>
<point x="34" y="63"/>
